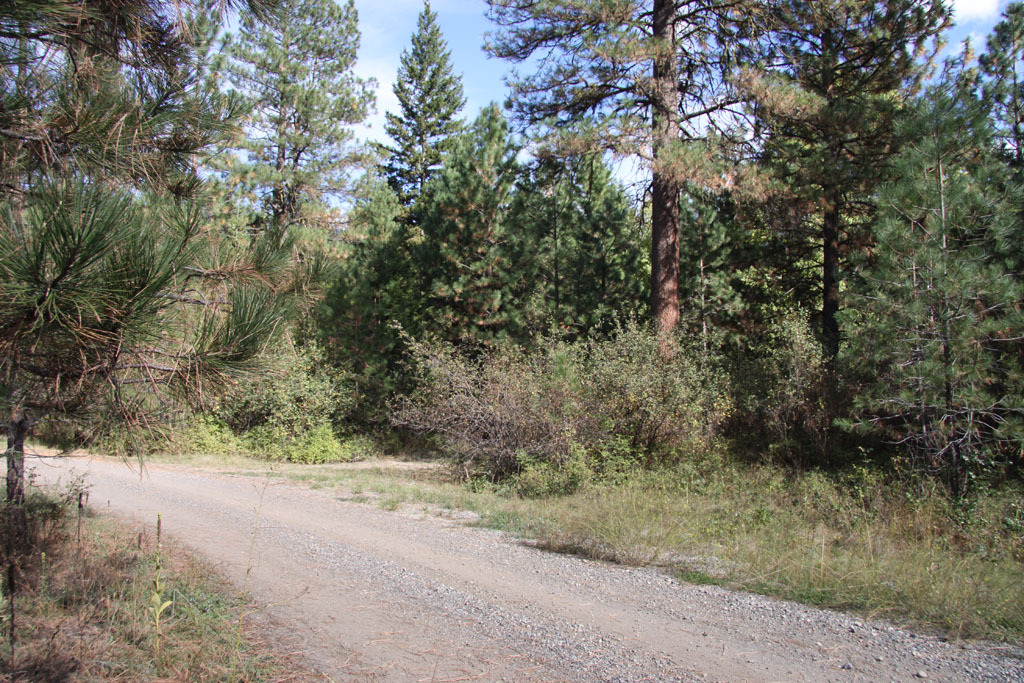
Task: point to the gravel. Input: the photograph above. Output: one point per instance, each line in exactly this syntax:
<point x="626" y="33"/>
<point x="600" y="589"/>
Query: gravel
<point x="403" y="595"/>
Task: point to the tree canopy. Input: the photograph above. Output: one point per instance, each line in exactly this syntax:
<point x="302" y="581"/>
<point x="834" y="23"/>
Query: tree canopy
<point x="429" y="98"/>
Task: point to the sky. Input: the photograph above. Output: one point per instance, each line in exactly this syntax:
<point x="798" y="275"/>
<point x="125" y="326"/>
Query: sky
<point x="387" y="27"/>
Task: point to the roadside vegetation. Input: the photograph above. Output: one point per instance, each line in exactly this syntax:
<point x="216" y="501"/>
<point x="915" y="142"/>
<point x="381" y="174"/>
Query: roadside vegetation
<point x="853" y="541"/>
<point x="94" y="599"/>
<point x="788" y="358"/>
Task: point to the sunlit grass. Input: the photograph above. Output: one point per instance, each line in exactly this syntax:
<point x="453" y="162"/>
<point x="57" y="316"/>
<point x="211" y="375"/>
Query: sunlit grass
<point x="853" y="542"/>
<point x="82" y="615"/>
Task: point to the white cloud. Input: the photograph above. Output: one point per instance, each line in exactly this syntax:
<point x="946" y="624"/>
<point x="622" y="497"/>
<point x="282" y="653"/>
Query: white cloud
<point x="973" y="10"/>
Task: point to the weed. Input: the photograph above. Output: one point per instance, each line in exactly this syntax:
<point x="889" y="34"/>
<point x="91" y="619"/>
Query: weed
<point x="100" y="609"/>
<point x="157" y="604"/>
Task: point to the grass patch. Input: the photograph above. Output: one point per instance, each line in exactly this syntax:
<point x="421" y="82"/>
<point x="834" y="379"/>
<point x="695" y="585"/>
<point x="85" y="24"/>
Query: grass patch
<point x="853" y="541"/>
<point x="831" y="542"/>
<point x="84" y="611"/>
<point x="850" y="541"/>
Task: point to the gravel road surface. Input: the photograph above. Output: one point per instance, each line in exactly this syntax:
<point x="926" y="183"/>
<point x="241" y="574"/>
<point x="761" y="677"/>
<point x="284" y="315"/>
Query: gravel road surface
<point x="365" y="594"/>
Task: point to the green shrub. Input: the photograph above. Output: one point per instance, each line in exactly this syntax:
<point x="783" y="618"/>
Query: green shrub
<point x="780" y="394"/>
<point x="207" y="435"/>
<point x="316" y="446"/>
<point x="539" y="478"/>
<point x="568" y="412"/>
<point x="299" y="394"/>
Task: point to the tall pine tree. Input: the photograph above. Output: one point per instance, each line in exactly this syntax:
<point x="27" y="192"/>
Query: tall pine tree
<point x="635" y="78"/>
<point x="938" y="316"/>
<point x="296" y="76"/>
<point x="375" y="301"/>
<point x="471" y="263"/>
<point x="429" y="97"/>
<point x="1004" y="83"/>
<point x="583" y="241"/>
<point x="828" y="107"/>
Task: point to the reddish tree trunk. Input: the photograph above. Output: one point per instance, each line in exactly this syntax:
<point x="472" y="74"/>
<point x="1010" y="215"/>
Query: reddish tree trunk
<point x="665" y="190"/>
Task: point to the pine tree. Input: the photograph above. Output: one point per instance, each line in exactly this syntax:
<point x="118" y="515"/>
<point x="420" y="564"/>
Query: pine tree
<point x="429" y="97"/>
<point x="470" y="262"/>
<point x="109" y="312"/>
<point x="829" y="106"/>
<point x="296" y="75"/>
<point x="939" y="316"/>
<point x="632" y="78"/>
<point x="712" y="272"/>
<point x="1004" y="85"/>
<point x="582" y="237"/>
<point x="375" y="300"/>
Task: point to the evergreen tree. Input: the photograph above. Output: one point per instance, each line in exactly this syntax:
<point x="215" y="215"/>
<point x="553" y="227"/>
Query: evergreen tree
<point x="938" y="318"/>
<point x="632" y="78"/>
<point x="582" y="238"/>
<point x="828" y="109"/>
<point x="375" y="300"/>
<point x="429" y="97"/>
<point x="295" y="73"/>
<point x="109" y="312"/>
<point x="1004" y="84"/>
<point x="471" y="265"/>
<point x="713" y="272"/>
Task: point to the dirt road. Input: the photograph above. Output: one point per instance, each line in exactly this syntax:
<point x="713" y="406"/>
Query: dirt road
<point x="368" y="594"/>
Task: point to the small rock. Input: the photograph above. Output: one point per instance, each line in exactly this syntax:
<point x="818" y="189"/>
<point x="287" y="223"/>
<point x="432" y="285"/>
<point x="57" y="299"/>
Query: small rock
<point x="922" y="674"/>
<point x="847" y="666"/>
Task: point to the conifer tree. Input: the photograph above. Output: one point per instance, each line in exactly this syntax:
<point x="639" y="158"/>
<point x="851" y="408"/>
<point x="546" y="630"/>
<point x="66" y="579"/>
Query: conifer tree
<point x="582" y="238"/>
<point x="938" y="315"/>
<point x="470" y="261"/>
<point x="829" y="106"/>
<point x="429" y="98"/>
<point x="1004" y="84"/>
<point x="110" y="311"/>
<point x="375" y="300"/>
<point x="634" y="78"/>
<point x="295" y="73"/>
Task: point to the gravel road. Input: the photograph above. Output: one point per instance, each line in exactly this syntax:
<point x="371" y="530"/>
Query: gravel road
<point x="366" y="594"/>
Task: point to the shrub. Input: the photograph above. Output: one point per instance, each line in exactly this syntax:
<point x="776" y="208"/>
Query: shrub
<point x="564" y="413"/>
<point x="780" y="394"/>
<point x="300" y="393"/>
<point x="317" y="446"/>
<point x="208" y="435"/>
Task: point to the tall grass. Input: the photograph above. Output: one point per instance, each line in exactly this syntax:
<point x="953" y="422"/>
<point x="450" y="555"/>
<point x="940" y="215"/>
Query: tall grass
<point x="859" y="545"/>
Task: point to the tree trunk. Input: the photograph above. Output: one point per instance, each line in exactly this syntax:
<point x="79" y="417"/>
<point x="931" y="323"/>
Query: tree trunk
<point x="665" y="190"/>
<point x="830" y="278"/>
<point x="17" y="430"/>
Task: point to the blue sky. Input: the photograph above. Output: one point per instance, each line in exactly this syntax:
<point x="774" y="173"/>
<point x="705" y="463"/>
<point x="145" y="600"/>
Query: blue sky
<point x="387" y="26"/>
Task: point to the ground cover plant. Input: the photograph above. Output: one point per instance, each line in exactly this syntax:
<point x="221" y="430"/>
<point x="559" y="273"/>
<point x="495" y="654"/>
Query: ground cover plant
<point x="97" y="600"/>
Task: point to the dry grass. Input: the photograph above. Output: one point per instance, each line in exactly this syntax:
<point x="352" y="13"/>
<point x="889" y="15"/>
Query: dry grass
<point x="81" y="615"/>
<point x="808" y="538"/>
